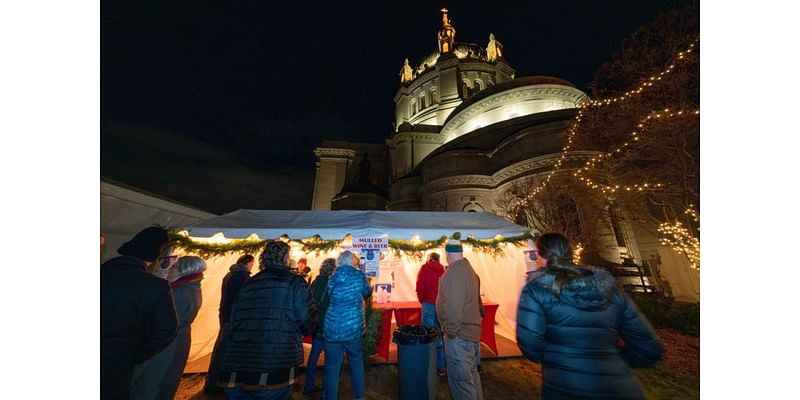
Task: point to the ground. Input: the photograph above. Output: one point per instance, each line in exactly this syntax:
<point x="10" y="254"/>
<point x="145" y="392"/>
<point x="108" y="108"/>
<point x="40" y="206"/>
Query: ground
<point x="677" y="377"/>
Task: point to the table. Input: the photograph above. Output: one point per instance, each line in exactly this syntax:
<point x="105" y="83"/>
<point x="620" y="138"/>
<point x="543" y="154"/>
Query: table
<point x="385" y="340"/>
<point x="410" y="312"/>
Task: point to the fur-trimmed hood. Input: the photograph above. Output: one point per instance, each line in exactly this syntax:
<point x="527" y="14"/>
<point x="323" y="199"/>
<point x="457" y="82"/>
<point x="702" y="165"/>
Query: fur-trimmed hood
<point x="591" y="291"/>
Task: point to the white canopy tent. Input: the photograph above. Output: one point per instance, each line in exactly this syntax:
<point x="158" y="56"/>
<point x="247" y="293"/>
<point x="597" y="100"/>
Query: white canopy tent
<point x="502" y="276"/>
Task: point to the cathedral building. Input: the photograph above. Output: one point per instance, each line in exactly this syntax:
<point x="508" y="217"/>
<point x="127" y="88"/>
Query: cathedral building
<point x="466" y="130"/>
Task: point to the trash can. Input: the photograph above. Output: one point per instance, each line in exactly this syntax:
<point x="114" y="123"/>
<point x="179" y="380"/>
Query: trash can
<point x="416" y="361"/>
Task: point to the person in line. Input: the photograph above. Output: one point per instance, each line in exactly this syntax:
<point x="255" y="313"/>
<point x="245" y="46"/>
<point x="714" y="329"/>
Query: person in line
<point x="158" y="378"/>
<point x="319" y="291"/>
<point x="345" y="325"/>
<point x="271" y="314"/>
<point x="458" y="307"/>
<point x="427" y="290"/>
<point x="571" y="318"/>
<point x="233" y="281"/>
<point x="137" y="312"/>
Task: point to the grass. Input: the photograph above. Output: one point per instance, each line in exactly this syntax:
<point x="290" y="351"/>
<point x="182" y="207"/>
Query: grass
<point x="509" y="378"/>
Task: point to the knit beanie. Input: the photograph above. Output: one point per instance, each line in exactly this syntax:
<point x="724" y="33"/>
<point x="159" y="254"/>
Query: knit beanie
<point x="146" y="244"/>
<point x="453" y="247"/>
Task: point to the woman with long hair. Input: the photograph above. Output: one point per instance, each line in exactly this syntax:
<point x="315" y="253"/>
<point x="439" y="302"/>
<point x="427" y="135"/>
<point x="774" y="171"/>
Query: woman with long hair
<point x="571" y="319"/>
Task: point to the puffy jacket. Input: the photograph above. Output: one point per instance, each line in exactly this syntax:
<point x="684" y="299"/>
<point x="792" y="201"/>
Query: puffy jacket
<point x="344" y="320"/>
<point x="137" y="320"/>
<point x="428" y="281"/>
<point x="575" y="336"/>
<point x="231" y="284"/>
<point x="270" y="316"/>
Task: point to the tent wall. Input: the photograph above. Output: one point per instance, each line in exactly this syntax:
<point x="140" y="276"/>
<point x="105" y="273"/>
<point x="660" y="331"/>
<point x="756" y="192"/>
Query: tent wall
<point x="124" y="212"/>
<point x="502" y="279"/>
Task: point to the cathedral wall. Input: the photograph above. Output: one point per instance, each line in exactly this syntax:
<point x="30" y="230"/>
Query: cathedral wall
<point x="331" y="177"/>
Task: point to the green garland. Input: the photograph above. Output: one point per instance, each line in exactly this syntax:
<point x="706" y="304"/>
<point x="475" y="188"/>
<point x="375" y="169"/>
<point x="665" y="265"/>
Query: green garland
<point x="315" y="244"/>
<point x="373" y="317"/>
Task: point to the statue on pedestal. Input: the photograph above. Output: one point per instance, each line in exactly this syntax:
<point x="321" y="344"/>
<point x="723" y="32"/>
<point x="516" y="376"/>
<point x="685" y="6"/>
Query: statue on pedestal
<point x="406" y="73"/>
<point x="494" y="49"/>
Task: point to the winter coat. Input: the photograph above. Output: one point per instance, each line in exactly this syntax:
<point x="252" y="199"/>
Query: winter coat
<point x="137" y="320"/>
<point x="428" y="281"/>
<point x="344" y="320"/>
<point x="575" y="336"/>
<point x="318" y="289"/>
<point x="231" y="284"/>
<point x="458" y="305"/>
<point x="158" y="378"/>
<point x="270" y="316"/>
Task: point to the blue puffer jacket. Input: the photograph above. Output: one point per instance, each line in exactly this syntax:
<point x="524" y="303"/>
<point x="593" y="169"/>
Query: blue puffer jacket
<point x="575" y="337"/>
<point x="344" y="320"/>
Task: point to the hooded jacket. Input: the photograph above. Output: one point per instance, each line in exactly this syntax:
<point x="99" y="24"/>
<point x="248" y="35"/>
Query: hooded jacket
<point x="428" y="281"/>
<point x="575" y="336"/>
<point x="344" y="320"/>
<point x="137" y="320"/>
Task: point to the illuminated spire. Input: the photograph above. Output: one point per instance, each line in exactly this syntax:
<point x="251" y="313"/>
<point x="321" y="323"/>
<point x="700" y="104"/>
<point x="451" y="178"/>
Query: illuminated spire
<point x="447" y="36"/>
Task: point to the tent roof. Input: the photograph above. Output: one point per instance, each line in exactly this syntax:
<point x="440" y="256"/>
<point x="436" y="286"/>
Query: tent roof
<point x="331" y="225"/>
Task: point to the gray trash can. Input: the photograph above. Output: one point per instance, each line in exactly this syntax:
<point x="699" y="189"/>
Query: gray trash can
<point x="416" y="361"/>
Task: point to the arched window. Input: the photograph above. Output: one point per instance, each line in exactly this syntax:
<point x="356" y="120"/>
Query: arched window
<point x="422" y="104"/>
<point x="466" y="90"/>
<point x="472" y="207"/>
<point x="434" y="99"/>
<point x="413" y="109"/>
<point x="479" y="85"/>
<point x="613" y="214"/>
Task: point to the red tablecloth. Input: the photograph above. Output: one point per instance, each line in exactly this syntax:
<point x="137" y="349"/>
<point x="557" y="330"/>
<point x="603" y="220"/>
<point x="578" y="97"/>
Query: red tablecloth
<point x="410" y="312"/>
<point x="386" y="330"/>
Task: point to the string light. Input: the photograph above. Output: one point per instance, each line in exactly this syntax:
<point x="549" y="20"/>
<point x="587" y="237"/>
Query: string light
<point x="576" y="255"/>
<point x="677" y="237"/>
<point x="642" y="128"/>
<point x="573" y="127"/>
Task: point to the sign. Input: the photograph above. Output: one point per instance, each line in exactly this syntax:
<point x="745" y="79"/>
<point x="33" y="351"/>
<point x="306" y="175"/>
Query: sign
<point x="370" y="249"/>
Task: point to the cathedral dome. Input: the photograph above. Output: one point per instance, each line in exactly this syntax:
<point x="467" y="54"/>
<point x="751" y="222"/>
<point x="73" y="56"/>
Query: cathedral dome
<point x="460" y="49"/>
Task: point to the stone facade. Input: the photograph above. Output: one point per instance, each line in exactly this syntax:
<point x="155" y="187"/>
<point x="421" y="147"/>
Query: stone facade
<point x="466" y="131"/>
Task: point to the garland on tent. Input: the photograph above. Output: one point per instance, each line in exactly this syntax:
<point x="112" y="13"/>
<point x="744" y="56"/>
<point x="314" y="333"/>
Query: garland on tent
<point x="316" y="244"/>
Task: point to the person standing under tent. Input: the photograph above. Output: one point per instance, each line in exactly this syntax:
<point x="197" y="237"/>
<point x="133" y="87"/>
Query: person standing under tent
<point x="270" y="316"/>
<point x="231" y="284"/>
<point x="319" y="291"/>
<point x="137" y="312"/>
<point x="345" y="325"/>
<point x="571" y="318"/>
<point x="158" y="378"/>
<point x="427" y="290"/>
<point x="458" y="307"/>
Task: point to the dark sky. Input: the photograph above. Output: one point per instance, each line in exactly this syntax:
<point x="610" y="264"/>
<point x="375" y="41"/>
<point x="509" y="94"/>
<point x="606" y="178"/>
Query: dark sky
<point x="219" y="105"/>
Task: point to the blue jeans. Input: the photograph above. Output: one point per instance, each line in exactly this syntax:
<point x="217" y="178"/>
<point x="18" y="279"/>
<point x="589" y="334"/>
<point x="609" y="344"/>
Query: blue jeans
<point x="241" y="394"/>
<point x="317" y="346"/>
<point x="462" y="369"/>
<point x="334" y="354"/>
<point x="429" y="319"/>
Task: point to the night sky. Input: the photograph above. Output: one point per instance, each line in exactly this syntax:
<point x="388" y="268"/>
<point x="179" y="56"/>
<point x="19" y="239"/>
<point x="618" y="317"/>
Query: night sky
<point x="220" y="105"/>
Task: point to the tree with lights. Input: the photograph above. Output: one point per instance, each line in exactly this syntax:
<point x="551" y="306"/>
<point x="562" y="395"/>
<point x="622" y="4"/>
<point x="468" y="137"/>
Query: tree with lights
<point x="642" y="127"/>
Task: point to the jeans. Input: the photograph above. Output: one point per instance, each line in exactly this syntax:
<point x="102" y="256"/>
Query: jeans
<point x="334" y="354"/>
<point x="241" y="394"/>
<point x="317" y="346"/>
<point x="429" y="319"/>
<point x="462" y="369"/>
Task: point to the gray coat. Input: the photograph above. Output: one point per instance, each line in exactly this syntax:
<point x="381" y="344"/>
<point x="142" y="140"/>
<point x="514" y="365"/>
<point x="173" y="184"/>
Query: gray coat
<point x="159" y="377"/>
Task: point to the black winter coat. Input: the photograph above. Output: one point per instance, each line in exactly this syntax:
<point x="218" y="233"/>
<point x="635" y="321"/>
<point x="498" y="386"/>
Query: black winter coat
<point x="137" y="320"/>
<point x="231" y="284"/>
<point x="271" y="314"/>
<point x="575" y="336"/>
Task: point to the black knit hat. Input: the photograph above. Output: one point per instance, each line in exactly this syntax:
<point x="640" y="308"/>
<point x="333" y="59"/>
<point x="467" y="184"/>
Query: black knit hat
<point x="146" y="244"/>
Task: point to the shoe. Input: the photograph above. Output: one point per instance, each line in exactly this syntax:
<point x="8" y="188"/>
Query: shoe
<point x="441" y="372"/>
